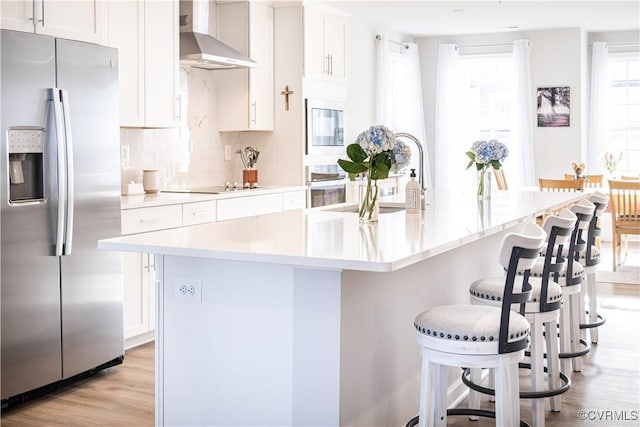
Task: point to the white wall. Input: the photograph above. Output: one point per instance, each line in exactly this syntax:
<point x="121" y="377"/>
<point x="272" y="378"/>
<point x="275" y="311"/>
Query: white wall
<point x="559" y="57"/>
<point x="555" y="61"/>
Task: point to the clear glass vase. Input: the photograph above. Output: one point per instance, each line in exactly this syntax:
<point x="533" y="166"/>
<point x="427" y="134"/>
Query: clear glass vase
<point x="484" y="184"/>
<point x="369" y="206"/>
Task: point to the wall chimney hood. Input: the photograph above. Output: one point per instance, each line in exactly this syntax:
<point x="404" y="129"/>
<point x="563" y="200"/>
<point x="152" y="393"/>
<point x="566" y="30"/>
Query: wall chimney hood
<point x="198" y="48"/>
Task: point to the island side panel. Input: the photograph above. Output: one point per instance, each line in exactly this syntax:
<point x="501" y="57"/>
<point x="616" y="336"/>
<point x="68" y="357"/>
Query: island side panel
<point x="159" y="344"/>
<point x="316" y="355"/>
<point x="260" y="346"/>
<point x="380" y="364"/>
<point x="227" y="358"/>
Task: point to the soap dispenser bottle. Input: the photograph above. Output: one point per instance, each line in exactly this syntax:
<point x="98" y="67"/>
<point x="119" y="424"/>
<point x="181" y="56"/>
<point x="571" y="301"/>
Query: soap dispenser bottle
<point x="412" y="195"/>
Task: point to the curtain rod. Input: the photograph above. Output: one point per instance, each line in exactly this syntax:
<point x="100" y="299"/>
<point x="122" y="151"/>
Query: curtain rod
<point x="404" y="45"/>
<point x="621" y="44"/>
<point x="485" y="45"/>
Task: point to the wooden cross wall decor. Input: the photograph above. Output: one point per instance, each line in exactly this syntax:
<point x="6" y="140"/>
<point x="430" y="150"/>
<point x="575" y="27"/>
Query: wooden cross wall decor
<point x="286" y="92"/>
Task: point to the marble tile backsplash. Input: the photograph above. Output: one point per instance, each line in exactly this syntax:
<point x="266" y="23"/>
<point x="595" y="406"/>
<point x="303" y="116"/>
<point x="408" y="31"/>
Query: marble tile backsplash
<point x="191" y="155"/>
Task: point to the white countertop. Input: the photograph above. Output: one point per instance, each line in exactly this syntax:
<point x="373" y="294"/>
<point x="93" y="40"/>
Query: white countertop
<point x="168" y="198"/>
<point x="321" y="238"/>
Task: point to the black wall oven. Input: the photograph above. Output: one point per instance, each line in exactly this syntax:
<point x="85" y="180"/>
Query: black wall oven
<point x="326" y="185"/>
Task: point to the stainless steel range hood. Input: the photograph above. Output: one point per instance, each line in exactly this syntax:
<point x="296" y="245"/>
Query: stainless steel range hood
<point x="198" y="48"/>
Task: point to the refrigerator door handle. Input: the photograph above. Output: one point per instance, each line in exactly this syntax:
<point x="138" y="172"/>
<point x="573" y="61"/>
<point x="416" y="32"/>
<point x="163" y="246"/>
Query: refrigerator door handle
<point x="68" y="240"/>
<point x="62" y="181"/>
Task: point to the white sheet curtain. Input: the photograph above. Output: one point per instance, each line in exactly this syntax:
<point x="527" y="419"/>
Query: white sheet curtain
<point x="447" y="159"/>
<point x="521" y="171"/>
<point x="519" y="167"/>
<point x="384" y="82"/>
<point x="596" y="141"/>
<point x="399" y="95"/>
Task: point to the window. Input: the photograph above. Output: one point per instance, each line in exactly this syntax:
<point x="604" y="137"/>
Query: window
<point x="486" y="89"/>
<point x="623" y="120"/>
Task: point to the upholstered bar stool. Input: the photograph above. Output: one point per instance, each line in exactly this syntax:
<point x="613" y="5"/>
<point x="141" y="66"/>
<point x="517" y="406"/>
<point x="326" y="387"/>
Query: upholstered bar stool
<point x="479" y="337"/>
<point x="542" y="312"/>
<point x="572" y="346"/>
<point x="590" y="258"/>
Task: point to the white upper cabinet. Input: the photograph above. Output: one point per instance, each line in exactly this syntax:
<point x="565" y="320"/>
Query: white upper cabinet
<point x="245" y="96"/>
<point x="84" y="20"/>
<point x="126" y="32"/>
<point x="325" y="33"/>
<point x="146" y="35"/>
<point x="161" y="76"/>
<point x="18" y="15"/>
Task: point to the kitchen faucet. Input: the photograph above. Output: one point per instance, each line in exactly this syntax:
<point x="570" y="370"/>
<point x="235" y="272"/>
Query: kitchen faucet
<point x="423" y="203"/>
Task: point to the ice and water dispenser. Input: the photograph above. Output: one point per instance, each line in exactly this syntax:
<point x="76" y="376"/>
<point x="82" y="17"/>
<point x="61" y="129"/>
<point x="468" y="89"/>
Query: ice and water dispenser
<point x="26" y="164"/>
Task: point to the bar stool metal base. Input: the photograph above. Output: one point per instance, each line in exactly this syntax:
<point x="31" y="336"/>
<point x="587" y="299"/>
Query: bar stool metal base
<point x="570" y="355"/>
<point x="601" y="321"/>
<point x="566" y="384"/>
<point x="464" y="411"/>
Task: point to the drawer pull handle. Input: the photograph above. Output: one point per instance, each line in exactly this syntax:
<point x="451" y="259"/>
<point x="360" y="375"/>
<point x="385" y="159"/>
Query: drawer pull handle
<point x="150" y="220"/>
<point x="199" y="213"/>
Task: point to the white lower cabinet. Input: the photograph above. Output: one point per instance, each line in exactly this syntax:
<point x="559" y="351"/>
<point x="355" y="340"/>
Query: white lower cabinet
<point x="294" y="200"/>
<point x="249" y="206"/>
<point x="198" y="212"/>
<point x="139" y="270"/>
<point x="139" y="279"/>
<point x="150" y="219"/>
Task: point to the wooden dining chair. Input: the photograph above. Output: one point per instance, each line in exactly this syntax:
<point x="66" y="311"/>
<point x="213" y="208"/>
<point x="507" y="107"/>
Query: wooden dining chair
<point x="501" y="180"/>
<point x="547" y="184"/>
<point x="594" y="181"/>
<point x="590" y="181"/>
<point x="624" y="200"/>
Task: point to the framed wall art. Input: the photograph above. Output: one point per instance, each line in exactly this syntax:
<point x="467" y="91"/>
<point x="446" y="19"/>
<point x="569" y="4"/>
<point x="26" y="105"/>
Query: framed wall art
<point x="553" y="106"/>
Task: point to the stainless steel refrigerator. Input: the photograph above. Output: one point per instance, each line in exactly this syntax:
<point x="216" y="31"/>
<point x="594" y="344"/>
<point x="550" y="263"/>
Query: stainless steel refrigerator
<point x="61" y="312"/>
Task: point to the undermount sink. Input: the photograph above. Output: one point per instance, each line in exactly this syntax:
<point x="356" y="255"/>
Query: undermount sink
<point x="384" y="209"/>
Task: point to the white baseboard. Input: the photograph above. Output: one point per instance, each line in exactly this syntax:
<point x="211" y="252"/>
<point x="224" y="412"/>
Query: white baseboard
<point x="139" y="340"/>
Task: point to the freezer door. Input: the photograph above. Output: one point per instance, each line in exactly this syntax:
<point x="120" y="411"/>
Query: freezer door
<point x="92" y="319"/>
<point x="30" y="347"/>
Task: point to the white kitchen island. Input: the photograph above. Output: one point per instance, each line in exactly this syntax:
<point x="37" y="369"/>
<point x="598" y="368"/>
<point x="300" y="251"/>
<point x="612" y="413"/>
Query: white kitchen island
<point x="305" y="318"/>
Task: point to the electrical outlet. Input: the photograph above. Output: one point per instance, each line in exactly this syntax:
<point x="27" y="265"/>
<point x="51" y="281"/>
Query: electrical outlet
<point x="188" y="290"/>
<point x="125" y="155"/>
<point x="227" y="152"/>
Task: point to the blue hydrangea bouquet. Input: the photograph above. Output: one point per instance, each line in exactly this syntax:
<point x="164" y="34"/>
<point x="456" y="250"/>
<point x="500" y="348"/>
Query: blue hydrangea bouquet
<point x="375" y="154"/>
<point x="486" y="154"/>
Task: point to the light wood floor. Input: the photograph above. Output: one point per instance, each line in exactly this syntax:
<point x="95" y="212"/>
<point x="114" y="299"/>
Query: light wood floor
<point x="610" y="380"/>
<point x="121" y="396"/>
